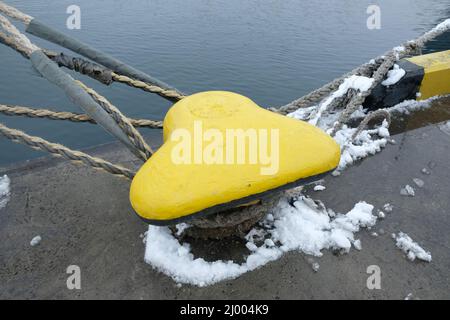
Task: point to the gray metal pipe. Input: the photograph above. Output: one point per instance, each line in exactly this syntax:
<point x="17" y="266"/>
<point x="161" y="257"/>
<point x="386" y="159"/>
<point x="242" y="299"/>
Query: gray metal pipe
<point x="50" y="70"/>
<point x="43" y="31"/>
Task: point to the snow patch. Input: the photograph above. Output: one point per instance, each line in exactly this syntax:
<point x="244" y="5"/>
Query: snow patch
<point x="181" y="227"/>
<point x="408" y="106"/>
<point x="388" y="207"/>
<point x="445" y="127"/>
<point x="412" y="249"/>
<point x="394" y="76"/>
<point x="314" y="113"/>
<point x="419" y="182"/>
<point x="315" y="266"/>
<point x="35" y="241"/>
<point x="442" y="26"/>
<point x="292" y="227"/>
<point x="4" y="191"/>
<point x="368" y="142"/>
<point x="408" y="191"/>
<point x="319" y="188"/>
<point x="357" y="245"/>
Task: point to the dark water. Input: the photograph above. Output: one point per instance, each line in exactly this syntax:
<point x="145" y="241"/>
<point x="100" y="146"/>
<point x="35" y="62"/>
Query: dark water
<point x="272" y="51"/>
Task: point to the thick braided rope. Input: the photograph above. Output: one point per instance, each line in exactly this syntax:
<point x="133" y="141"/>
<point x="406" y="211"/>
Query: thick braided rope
<point x="318" y="94"/>
<point x="389" y="61"/>
<point x="384" y="114"/>
<point x="13" y="36"/>
<point x="60" y="150"/>
<point x="366" y="69"/>
<point x="171" y="94"/>
<point x="124" y="123"/>
<point x="26" y="47"/>
<point x="14" y="13"/>
<point x="359" y="98"/>
<point x="74" y="117"/>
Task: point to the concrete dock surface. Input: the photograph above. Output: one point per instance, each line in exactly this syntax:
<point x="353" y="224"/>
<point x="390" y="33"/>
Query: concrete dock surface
<point x="84" y="218"/>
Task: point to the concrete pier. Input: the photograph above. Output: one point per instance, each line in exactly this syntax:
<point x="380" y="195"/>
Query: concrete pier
<point x="85" y="219"/>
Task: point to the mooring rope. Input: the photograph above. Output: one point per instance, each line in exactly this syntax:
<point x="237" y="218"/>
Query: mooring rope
<point x="172" y="94"/>
<point x="10" y="110"/>
<point x="121" y="120"/>
<point x="309" y="99"/>
<point x="16" y="39"/>
<point x="60" y="150"/>
<point x="135" y="78"/>
<point x="14" y="13"/>
<point x="384" y="114"/>
<point x="376" y="69"/>
<point x="390" y="59"/>
<point x="27" y="48"/>
<point x="83" y="66"/>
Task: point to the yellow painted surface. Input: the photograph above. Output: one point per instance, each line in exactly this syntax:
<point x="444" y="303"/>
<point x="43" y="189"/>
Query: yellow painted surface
<point x="165" y="190"/>
<point x="436" y="80"/>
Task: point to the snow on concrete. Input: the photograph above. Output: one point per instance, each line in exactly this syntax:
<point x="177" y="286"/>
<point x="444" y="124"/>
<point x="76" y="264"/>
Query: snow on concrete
<point x="181" y="227"/>
<point x="445" y="127"/>
<point x="388" y="207"/>
<point x="412" y="249"/>
<point x="419" y="182"/>
<point x="319" y="188"/>
<point x="368" y="142"/>
<point x="408" y="106"/>
<point x="394" y="76"/>
<point x="315" y="266"/>
<point x="4" y="190"/>
<point x="292" y="227"/>
<point x="357" y="245"/>
<point x="408" y="191"/>
<point x="35" y="241"/>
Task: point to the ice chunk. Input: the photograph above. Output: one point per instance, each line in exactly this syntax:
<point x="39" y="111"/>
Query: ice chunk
<point x="4" y="191"/>
<point x="357" y="245"/>
<point x="388" y="207"/>
<point x="407" y="191"/>
<point x="381" y="215"/>
<point x="35" y="241"/>
<point x="251" y="246"/>
<point x="315" y="266"/>
<point x="336" y="173"/>
<point x="445" y="127"/>
<point x="181" y="227"/>
<point x="394" y="76"/>
<point x="364" y="145"/>
<point x="419" y="182"/>
<point x="319" y="188"/>
<point x="269" y="243"/>
<point x="412" y="249"/>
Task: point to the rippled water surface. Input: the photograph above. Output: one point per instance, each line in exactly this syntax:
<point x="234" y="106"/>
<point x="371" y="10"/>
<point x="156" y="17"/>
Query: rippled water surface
<point x="271" y="51"/>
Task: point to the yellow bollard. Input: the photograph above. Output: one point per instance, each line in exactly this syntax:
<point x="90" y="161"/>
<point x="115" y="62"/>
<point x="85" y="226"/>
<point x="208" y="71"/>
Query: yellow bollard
<point x="220" y="151"/>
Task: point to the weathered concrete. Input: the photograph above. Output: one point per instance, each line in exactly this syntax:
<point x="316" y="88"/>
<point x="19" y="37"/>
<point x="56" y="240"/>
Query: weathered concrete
<point x="85" y="219"/>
